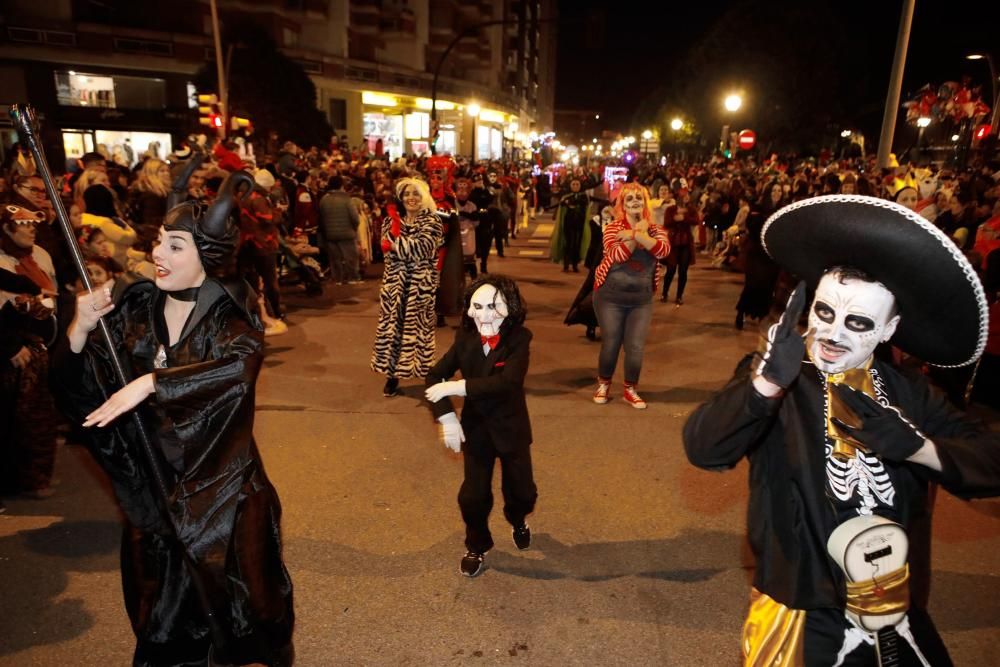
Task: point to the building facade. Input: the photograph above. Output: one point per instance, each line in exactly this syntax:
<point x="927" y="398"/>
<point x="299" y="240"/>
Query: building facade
<point x="119" y="73"/>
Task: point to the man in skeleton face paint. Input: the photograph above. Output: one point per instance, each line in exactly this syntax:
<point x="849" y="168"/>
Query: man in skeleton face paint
<point x="491" y="351"/>
<point x="843" y="446"/>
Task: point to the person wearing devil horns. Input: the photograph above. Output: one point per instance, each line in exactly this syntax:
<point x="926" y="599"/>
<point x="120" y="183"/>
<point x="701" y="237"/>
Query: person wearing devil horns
<point x="844" y="446"/>
<point x="404" y="336"/>
<point x="450" y="262"/>
<point x="491" y="351"/>
<point x="194" y="343"/>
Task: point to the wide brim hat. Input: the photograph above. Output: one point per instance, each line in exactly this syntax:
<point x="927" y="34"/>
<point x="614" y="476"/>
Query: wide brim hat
<point x="942" y="305"/>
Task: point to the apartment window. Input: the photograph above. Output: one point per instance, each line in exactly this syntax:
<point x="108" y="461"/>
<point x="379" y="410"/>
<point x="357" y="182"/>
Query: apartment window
<point x="338" y="113"/>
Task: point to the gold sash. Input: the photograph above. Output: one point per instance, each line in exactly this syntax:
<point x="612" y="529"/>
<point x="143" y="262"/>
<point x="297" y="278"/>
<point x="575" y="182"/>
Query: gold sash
<point x="773" y="633"/>
<point x="844" y="446"/>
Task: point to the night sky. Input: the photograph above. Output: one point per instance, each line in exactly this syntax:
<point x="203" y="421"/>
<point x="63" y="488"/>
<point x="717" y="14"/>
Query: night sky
<point x="805" y="66"/>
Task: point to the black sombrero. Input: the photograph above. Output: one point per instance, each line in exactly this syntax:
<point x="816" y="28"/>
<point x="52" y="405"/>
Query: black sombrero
<point x="941" y="302"/>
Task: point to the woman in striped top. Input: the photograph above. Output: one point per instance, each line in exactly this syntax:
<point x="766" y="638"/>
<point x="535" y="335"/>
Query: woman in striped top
<point x="624" y="285"/>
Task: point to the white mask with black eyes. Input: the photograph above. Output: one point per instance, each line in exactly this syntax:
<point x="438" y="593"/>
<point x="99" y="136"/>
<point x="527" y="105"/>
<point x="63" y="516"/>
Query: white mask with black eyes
<point x="488" y="310"/>
<point x="847" y="321"/>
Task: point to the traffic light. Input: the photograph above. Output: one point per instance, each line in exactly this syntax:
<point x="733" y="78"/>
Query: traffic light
<point x="236" y="123"/>
<point x="210" y="111"/>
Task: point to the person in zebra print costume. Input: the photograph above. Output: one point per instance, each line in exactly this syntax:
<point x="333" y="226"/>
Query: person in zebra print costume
<point x="404" y="337"/>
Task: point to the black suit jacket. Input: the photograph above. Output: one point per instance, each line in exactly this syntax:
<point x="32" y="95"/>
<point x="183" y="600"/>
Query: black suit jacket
<point x="495" y="411"/>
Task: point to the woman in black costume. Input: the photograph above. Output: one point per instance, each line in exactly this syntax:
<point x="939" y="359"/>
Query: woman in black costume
<point x="194" y="343"/>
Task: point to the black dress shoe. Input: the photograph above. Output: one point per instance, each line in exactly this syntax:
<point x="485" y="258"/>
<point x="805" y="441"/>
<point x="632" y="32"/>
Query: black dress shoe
<point x="391" y="388"/>
<point x="739" y="321"/>
<point x="473" y="564"/>
<point x="591" y="333"/>
<point x="522" y="537"/>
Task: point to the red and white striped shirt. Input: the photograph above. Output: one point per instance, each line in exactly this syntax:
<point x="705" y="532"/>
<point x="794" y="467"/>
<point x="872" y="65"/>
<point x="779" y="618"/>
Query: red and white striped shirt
<point x="617" y="252"/>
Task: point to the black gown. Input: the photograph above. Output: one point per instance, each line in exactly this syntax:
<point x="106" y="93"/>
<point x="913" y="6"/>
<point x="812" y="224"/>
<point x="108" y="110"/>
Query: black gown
<point x="581" y="311"/>
<point x="222" y="506"/>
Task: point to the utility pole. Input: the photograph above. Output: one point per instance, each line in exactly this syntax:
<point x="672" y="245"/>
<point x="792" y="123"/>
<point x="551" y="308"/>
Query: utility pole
<point x="895" y="84"/>
<point x="223" y="95"/>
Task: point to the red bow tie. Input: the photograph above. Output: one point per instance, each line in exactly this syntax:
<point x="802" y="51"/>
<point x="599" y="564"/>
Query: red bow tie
<point x="492" y="341"/>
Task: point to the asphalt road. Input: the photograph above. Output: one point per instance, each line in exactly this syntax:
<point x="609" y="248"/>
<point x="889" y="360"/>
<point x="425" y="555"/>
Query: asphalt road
<point x="638" y="558"/>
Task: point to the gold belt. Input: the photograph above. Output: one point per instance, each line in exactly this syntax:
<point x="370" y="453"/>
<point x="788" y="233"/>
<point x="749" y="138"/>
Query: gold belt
<point x="880" y="596"/>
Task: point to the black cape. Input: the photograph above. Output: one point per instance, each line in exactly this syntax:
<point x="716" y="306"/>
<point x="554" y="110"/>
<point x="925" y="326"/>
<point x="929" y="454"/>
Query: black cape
<point x="223" y="508"/>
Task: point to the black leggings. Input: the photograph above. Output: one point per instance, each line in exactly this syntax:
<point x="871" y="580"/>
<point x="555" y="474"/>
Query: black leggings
<point x="681" y="268"/>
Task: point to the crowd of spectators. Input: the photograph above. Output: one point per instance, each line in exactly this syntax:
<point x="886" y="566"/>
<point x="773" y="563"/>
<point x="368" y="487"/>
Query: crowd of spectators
<point x="314" y="220"/>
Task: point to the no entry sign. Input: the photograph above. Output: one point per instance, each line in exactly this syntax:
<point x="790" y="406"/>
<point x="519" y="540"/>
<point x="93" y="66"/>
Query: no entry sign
<point x="747" y="139"/>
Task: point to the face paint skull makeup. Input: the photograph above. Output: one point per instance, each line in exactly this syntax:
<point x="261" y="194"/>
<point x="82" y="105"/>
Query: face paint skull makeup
<point x="848" y="319"/>
<point x="634" y="203"/>
<point x="488" y="310"/>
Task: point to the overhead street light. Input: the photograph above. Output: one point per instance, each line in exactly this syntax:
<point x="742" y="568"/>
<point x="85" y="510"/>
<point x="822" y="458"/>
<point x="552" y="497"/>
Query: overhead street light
<point x="676" y="124"/>
<point x="733" y="102"/>
<point x="647" y="135"/>
<point x="923" y="122"/>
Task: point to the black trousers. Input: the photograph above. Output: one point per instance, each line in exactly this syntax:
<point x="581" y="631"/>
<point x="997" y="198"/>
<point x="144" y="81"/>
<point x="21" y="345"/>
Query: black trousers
<point x="573" y="233"/>
<point x="475" y="498"/>
<point x="824" y="636"/>
<point x="254" y="264"/>
<point x="681" y="269"/>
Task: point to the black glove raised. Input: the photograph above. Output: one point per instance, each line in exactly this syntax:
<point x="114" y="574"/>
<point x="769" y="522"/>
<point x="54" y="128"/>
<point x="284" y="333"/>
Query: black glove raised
<point x="781" y="360"/>
<point x="883" y="430"/>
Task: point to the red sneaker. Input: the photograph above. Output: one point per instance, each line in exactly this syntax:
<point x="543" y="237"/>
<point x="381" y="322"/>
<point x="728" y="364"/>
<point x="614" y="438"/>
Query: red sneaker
<point x="601" y="395"/>
<point x="633" y="398"/>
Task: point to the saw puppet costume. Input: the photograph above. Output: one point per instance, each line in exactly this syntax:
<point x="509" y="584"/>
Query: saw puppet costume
<point x="843" y="446"/>
<point x="194" y="344"/>
<point x="491" y="351"/>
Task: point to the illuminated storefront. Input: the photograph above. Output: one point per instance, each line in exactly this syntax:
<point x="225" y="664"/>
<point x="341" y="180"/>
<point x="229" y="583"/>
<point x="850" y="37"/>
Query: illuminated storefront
<point x="403" y="125"/>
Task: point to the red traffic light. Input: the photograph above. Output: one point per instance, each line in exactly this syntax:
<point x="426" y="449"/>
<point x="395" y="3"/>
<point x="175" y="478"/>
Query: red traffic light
<point x="983" y="131"/>
<point x="216" y="121"/>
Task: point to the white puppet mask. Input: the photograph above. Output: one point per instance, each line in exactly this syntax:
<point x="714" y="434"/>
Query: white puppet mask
<point x="848" y="319"/>
<point x="488" y="310"/>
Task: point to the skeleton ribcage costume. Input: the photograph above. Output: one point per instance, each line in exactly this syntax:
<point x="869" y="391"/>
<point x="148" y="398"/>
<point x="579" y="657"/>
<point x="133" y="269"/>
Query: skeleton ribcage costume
<point x="861" y="481"/>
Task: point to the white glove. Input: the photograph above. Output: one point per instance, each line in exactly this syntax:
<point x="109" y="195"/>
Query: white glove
<point x="451" y="432"/>
<point x="438" y="391"/>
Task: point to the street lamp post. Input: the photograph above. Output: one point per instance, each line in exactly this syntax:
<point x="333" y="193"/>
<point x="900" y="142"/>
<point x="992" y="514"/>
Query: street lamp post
<point x="733" y="102"/>
<point x="462" y="34"/>
<point x="474" y="110"/>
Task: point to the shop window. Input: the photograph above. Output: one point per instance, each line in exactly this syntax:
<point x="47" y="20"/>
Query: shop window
<point x="417" y="125"/>
<point x="79" y="89"/>
<point x="446" y="143"/>
<point x="387" y="128"/>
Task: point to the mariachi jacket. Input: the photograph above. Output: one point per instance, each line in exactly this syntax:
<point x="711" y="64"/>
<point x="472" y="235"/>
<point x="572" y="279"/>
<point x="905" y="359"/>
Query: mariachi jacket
<point x="790" y="516"/>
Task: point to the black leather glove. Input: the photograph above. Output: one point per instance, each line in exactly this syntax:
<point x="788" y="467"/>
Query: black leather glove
<point x="884" y="430"/>
<point x="781" y="360"/>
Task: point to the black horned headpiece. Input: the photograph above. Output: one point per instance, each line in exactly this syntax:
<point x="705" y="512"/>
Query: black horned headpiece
<point x="215" y="234"/>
